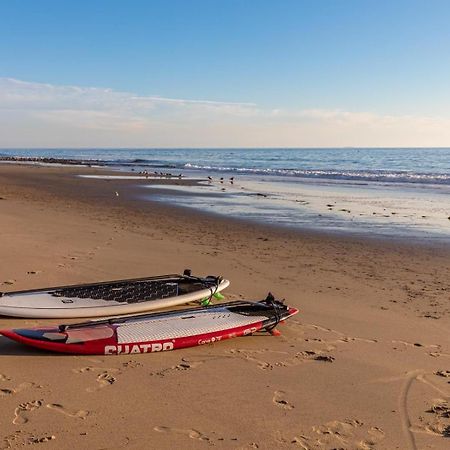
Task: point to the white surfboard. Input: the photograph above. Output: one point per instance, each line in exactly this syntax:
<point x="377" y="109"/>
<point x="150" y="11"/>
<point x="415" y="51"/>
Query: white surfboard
<point x="110" y="298"/>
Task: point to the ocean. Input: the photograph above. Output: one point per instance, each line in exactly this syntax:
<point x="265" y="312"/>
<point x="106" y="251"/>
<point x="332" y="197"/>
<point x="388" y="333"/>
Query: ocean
<point x="390" y="192"/>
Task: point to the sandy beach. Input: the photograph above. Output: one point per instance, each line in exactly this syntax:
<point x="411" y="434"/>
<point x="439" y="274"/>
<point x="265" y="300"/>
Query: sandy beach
<point x="364" y="365"/>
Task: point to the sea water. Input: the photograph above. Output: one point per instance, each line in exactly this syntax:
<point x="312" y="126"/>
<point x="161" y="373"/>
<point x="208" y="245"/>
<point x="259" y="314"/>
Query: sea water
<point x="400" y="192"/>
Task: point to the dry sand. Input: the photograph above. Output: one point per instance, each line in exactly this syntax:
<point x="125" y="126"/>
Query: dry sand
<point x="365" y="364"/>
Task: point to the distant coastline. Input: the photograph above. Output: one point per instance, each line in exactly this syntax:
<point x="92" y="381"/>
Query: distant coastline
<point x="50" y="160"/>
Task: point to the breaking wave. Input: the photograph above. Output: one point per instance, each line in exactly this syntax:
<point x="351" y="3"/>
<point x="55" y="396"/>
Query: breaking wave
<point x="348" y="175"/>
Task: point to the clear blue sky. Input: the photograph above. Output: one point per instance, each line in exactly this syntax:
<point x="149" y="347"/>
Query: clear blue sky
<point x="336" y="72"/>
<point x="382" y="56"/>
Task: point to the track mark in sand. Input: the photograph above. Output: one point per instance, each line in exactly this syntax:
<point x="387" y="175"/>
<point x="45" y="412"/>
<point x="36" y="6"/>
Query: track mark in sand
<point x="12" y="391"/>
<point x="424" y="380"/>
<point x="104" y="378"/>
<point x="340" y="337"/>
<point x="4" y="377"/>
<point x="279" y="400"/>
<point x="199" y="436"/>
<point x="346" y="434"/>
<point x="273" y="359"/>
<point x="22" y="411"/>
<point x="348" y="339"/>
<point x="193" y="434"/>
<point x="403" y="406"/>
<point x="187" y="364"/>
<point x="433" y="348"/>
<point x="436" y="425"/>
<point x="80" y="414"/>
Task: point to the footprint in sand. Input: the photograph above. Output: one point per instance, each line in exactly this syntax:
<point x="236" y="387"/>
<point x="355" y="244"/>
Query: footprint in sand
<point x="104" y="378"/>
<point x="80" y="414"/>
<point x="431" y="347"/>
<point x="132" y="364"/>
<point x="4" y="392"/>
<point x="272" y="358"/>
<point x="22" y="411"/>
<point x="15" y="439"/>
<point x="337" y="337"/>
<point x="250" y="446"/>
<point x="12" y="391"/>
<point x="34" y="272"/>
<point x="279" y="400"/>
<point x="20" y="439"/>
<point x="443" y="373"/>
<point x="193" y="434"/>
<point x="348" y="434"/>
<point x="438" y="424"/>
<point x="168" y="370"/>
<point x="187" y="364"/>
<point x="275" y="359"/>
<point x="41" y="439"/>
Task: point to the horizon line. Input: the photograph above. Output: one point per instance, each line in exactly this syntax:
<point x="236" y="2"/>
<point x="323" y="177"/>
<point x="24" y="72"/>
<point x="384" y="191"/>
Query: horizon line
<point x="225" y="148"/>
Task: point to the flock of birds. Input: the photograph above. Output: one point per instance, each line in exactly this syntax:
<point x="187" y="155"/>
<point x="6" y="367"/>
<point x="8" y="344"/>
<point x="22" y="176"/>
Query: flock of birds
<point x="160" y="174"/>
<point x="221" y="179"/>
<point x="169" y="175"/>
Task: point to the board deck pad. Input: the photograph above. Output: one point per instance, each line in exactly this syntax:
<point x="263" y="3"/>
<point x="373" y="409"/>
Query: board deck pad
<point x="124" y="292"/>
<point x="158" y="331"/>
<point x="183" y="325"/>
<point x="110" y="298"/>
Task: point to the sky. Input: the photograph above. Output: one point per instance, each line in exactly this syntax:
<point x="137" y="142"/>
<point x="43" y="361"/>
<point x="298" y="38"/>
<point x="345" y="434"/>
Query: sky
<point x="224" y="73"/>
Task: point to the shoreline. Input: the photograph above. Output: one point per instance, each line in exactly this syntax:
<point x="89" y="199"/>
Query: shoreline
<point x="397" y="212"/>
<point x="432" y="240"/>
<point x="378" y="312"/>
<point x="135" y="199"/>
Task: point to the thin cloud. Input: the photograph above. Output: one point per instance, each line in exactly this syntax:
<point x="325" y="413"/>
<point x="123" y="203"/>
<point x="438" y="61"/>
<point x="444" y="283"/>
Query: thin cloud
<point x="17" y="93"/>
<point x="40" y="114"/>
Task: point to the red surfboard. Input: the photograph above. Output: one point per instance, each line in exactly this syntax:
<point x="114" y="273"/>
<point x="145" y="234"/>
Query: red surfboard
<point x="158" y="331"/>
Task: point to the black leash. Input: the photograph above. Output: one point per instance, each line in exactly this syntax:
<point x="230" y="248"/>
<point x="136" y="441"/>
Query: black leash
<point x="276" y="306"/>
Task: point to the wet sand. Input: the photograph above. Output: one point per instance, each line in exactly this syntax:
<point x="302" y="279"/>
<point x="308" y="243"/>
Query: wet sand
<point x="365" y="364"/>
